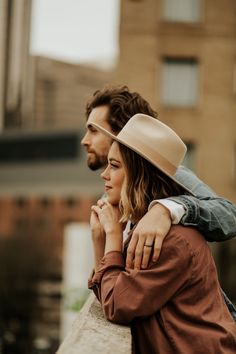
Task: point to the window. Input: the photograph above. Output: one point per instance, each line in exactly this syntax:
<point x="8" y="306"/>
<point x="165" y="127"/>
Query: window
<point x="21" y="202"/>
<point x="70" y="202"/>
<point x="182" y="10"/>
<point x="180" y="82"/>
<point x="45" y="202"/>
<point x="39" y="147"/>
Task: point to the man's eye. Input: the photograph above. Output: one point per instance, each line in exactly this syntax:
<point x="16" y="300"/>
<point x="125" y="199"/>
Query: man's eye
<point x="93" y="130"/>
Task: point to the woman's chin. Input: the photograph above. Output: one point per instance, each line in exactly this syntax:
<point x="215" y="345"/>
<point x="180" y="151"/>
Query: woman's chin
<point x="112" y="201"/>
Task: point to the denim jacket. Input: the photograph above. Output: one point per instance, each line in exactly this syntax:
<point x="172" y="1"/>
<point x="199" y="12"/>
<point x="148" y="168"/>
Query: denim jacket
<point x="215" y="217"/>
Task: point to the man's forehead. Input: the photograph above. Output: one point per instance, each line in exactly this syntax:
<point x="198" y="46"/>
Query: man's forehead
<point x="99" y="116"/>
<point x="98" y="119"/>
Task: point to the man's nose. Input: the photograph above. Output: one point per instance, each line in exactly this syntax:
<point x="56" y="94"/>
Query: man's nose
<point x="85" y="140"/>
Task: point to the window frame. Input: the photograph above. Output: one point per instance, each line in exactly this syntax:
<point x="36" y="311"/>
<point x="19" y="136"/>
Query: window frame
<point x="165" y="101"/>
<point x="182" y="21"/>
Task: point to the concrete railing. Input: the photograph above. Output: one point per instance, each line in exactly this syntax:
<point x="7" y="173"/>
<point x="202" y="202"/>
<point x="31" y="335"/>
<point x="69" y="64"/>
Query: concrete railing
<point x="92" y="333"/>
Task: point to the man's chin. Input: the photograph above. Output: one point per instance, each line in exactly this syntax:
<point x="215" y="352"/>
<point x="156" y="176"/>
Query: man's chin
<point x="94" y="165"/>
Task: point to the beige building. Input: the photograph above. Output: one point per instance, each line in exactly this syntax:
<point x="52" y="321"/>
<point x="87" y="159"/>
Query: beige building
<point x="181" y="55"/>
<point x="42" y="106"/>
<point x="43" y="156"/>
<point x="61" y="92"/>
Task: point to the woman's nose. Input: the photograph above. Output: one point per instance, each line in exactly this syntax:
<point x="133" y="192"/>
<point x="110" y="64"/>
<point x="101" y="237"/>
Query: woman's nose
<point x="105" y="174"/>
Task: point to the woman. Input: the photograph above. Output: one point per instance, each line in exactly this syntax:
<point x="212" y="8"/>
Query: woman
<point x="174" y="306"/>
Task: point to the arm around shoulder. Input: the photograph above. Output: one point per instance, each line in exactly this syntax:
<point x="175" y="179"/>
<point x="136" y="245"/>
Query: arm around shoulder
<point x="213" y="216"/>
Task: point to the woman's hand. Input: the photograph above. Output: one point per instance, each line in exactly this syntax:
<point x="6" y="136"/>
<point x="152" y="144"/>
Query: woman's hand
<point x="108" y="215"/>
<point x="95" y="224"/>
<point x="98" y="238"/>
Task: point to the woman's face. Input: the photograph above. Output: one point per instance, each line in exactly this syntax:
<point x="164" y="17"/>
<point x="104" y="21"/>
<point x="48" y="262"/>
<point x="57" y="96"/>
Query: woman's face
<point x="114" y="174"/>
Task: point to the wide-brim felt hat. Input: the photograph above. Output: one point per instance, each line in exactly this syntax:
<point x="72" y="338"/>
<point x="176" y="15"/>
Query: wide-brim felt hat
<point x="154" y="141"/>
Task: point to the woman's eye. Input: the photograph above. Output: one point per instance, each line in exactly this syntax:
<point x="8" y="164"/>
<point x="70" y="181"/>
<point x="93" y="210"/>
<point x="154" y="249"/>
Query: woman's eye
<point x="113" y="165"/>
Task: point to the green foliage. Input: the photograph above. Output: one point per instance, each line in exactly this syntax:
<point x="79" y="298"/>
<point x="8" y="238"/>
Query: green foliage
<point x="74" y="298"/>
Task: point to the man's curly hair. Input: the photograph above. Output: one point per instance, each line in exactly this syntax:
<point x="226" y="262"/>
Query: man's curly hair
<point x="122" y="103"/>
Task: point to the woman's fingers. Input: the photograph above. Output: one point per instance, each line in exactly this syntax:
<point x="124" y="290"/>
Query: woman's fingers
<point x="96" y="209"/>
<point x="101" y="202"/>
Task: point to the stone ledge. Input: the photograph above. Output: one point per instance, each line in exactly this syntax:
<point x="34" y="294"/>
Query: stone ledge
<point x="92" y="333"/>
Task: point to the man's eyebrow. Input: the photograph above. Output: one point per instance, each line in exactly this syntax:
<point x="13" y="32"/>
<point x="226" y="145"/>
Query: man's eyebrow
<point x="90" y="126"/>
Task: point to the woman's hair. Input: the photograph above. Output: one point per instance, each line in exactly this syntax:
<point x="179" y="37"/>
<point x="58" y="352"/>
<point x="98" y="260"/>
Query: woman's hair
<point x="143" y="183"/>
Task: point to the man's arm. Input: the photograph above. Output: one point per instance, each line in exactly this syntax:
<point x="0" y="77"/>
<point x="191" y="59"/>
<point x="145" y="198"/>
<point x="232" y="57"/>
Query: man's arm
<point x="213" y="216"/>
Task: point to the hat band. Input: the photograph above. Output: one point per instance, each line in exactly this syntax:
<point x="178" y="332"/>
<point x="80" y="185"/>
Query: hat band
<point x="146" y="151"/>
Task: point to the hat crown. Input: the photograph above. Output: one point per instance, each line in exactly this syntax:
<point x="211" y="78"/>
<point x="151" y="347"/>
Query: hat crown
<point x="153" y="139"/>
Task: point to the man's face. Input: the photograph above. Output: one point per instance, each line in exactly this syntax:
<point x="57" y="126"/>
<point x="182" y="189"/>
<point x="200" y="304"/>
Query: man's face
<point x="96" y="143"/>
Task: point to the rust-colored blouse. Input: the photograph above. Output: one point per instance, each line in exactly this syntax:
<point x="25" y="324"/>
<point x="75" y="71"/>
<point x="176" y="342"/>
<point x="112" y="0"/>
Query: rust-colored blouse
<point x="174" y="306"/>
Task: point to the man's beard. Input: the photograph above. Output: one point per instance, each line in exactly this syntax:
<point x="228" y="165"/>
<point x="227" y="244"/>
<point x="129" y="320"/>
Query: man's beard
<point x="97" y="162"/>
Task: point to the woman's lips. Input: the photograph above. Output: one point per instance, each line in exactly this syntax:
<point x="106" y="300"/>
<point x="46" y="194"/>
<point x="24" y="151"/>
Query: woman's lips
<point x="107" y="188"/>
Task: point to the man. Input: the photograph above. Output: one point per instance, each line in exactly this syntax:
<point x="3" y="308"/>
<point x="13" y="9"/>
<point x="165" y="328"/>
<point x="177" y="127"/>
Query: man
<point x="215" y="217"/>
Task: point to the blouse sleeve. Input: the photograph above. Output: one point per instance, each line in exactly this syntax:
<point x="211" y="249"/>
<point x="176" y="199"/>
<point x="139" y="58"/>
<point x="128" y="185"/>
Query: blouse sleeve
<point x="128" y="293"/>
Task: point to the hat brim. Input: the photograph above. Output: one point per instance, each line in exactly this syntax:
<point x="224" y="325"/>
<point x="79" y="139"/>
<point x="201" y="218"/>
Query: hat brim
<point x="123" y="142"/>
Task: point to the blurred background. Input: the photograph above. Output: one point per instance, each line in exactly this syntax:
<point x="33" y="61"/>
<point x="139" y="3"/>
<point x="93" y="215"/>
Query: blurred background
<point x="179" y="54"/>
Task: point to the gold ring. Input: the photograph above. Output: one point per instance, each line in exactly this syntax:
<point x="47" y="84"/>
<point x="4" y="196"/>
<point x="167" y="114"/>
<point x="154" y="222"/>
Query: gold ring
<point x="148" y="245"/>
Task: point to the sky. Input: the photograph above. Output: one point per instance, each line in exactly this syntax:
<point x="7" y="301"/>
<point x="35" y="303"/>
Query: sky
<point x="76" y="31"/>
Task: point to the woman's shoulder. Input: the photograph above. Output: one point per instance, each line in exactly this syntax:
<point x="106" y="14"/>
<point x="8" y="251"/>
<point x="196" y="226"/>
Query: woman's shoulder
<point x="190" y="237"/>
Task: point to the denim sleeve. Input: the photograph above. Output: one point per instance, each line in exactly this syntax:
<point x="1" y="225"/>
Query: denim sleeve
<point x="213" y="216"/>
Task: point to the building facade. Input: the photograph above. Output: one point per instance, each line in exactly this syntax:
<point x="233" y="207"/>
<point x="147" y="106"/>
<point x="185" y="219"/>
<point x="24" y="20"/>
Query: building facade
<point x="181" y="55"/>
